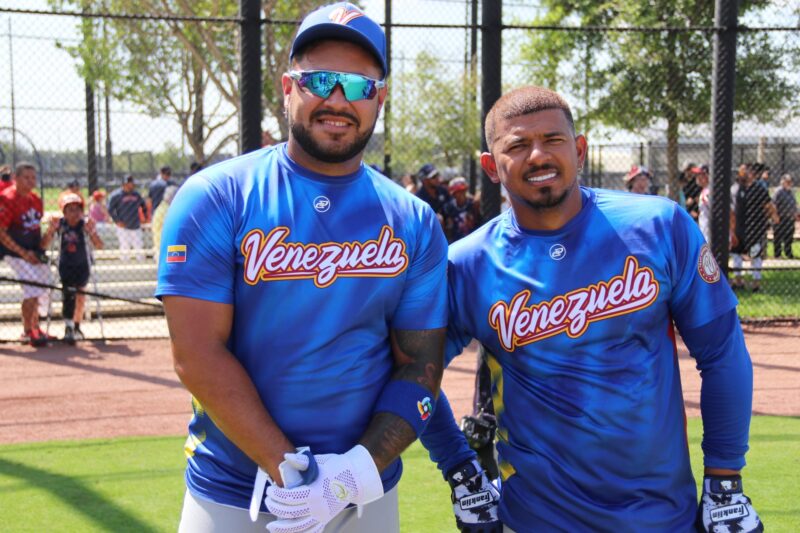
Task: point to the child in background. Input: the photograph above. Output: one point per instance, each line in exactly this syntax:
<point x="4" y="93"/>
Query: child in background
<point x="73" y="261"/>
<point x="97" y="208"/>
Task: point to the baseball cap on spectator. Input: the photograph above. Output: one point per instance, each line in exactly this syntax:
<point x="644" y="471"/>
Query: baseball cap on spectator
<point x="702" y="169"/>
<point x="98" y="195"/>
<point x="637" y="170"/>
<point x="458" y="184"/>
<point x="74" y="183"/>
<point x="343" y="21"/>
<point x="70" y="198"/>
<point x="128" y="179"/>
<point x="427" y="171"/>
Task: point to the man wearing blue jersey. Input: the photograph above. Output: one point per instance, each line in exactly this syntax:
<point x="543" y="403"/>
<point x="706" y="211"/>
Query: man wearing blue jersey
<point x="306" y="300"/>
<point x="576" y="293"/>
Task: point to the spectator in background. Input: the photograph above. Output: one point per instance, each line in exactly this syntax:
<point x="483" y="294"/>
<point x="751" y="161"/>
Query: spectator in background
<point x="21" y="237"/>
<point x="123" y="206"/>
<point x="786" y="205"/>
<point x="754" y="210"/>
<point x="195" y="167"/>
<point x="98" y="212"/>
<point x="691" y="192"/>
<point x="73" y="187"/>
<point x="763" y="177"/>
<point x="409" y="182"/>
<point x="638" y="180"/>
<point x="158" y="218"/>
<point x="74" y="260"/>
<point x="156" y="190"/>
<point x="461" y="216"/>
<point x="703" y="200"/>
<point x="432" y="191"/>
<point x="5" y="177"/>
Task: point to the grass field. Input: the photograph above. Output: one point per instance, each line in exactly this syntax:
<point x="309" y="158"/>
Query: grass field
<point x="779" y="296"/>
<point x="136" y="484"/>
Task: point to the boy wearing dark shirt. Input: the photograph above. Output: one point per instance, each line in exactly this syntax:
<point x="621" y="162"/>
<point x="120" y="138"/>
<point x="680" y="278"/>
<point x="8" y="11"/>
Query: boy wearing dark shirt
<point x="73" y="261"/>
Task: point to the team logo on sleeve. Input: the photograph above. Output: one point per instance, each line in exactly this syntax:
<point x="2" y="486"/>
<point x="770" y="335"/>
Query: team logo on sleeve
<point x="707" y="266"/>
<point x="176" y="253"/>
<point x="425" y="407"/>
<point x="518" y="323"/>
<point x="270" y="258"/>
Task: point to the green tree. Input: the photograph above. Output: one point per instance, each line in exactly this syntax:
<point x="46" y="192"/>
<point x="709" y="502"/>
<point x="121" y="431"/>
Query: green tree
<point x="184" y="69"/>
<point x="434" y="116"/>
<point x="632" y="80"/>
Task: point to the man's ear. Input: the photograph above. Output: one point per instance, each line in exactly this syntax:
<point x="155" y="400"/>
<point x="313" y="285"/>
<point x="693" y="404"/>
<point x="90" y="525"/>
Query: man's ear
<point x="582" y="147"/>
<point x="490" y="167"/>
<point x="287" y="85"/>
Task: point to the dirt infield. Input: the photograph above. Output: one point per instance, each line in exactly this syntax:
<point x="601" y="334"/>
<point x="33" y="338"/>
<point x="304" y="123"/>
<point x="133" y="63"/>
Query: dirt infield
<point x="129" y="388"/>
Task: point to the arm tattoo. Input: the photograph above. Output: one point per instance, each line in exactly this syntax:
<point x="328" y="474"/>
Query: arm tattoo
<point x="419" y="358"/>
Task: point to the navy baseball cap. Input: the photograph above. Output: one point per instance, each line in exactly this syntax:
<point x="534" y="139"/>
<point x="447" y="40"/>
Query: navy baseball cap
<point x="427" y="171"/>
<point x="342" y="21"/>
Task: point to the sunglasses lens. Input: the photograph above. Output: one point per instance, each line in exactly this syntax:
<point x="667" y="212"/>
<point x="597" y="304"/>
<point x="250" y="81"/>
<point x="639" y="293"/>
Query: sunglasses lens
<point x="319" y="83"/>
<point x="322" y="83"/>
<point x="357" y="87"/>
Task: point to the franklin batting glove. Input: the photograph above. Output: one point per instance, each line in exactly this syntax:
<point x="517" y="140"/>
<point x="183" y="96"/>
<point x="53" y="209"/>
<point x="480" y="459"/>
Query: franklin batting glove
<point x="725" y="509"/>
<point x="475" y="499"/>
<point x="351" y="477"/>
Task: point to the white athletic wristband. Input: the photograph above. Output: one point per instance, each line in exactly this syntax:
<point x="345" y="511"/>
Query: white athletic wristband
<point x="366" y="473"/>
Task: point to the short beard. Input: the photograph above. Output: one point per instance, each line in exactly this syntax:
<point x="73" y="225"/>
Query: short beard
<point x="301" y="134"/>
<point x="550" y="201"/>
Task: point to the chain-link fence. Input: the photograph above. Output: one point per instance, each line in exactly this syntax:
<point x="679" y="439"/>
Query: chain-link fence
<point x="104" y="96"/>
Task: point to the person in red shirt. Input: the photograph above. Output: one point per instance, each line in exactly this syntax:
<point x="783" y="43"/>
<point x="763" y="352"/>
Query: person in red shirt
<point x="5" y="177"/>
<point x="23" y="244"/>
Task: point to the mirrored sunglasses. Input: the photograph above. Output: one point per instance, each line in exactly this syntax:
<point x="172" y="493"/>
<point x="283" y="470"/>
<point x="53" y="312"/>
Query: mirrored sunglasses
<point x="322" y="83"/>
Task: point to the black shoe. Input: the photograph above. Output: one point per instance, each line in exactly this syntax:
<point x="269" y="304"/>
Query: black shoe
<point x="69" y="335"/>
<point x="78" y="333"/>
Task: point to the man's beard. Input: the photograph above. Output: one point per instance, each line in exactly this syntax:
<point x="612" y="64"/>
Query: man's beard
<point x="329" y="155"/>
<point x="549" y="201"/>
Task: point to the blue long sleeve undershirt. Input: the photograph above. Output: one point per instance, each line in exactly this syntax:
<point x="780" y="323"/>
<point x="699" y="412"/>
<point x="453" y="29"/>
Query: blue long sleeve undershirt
<point x="726" y="396"/>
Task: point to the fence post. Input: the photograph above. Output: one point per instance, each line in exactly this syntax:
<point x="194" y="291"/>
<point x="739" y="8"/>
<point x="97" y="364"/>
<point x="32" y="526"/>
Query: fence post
<point x="722" y="90"/>
<point x="250" y="76"/>
<point x="91" y="153"/>
<point x="491" y="87"/>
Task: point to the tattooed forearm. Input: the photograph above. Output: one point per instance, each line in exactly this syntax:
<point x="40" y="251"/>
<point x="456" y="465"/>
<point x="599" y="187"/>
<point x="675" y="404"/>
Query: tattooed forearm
<point x="386" y="438"/>
<point x="419" y="358"/>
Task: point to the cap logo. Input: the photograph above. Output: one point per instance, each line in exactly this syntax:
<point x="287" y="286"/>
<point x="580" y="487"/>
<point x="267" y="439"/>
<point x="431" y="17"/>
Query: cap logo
<point x="345" y="15"/>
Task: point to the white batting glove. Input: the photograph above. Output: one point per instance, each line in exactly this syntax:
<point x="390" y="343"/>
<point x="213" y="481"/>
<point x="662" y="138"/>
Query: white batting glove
<point x="475" y="499"/>
<point x="351" y="477"/>
<point x="725" y="509"/>
<point x="296" y="469"/>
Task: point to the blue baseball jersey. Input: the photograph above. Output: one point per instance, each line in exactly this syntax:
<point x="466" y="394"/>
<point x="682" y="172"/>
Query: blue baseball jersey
<point x="584" y="368"/>
<point x="318" y="269"/>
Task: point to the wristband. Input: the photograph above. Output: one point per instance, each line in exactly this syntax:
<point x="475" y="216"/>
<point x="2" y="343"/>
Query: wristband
<point x="411" y="402"/>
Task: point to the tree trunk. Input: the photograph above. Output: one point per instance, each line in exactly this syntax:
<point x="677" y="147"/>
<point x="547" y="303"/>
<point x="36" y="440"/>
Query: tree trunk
<point x="198" y="141"/>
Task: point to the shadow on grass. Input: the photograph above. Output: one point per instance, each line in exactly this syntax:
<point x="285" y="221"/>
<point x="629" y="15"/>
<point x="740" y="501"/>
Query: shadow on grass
<point x="78" y="495"/>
